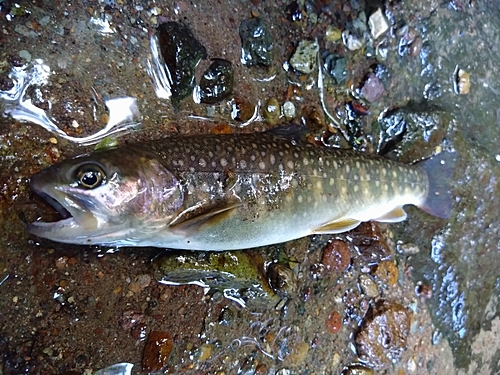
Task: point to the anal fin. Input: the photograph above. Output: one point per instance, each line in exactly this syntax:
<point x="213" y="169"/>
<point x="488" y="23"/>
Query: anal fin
<point x="394" y="216"/>
<point x="337" y="226"/>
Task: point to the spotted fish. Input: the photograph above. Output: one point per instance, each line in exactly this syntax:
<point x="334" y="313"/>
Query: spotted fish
<point x="227" y="192"/>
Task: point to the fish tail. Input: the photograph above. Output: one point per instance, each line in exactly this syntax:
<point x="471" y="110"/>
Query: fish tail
<point x="439" y="169"/>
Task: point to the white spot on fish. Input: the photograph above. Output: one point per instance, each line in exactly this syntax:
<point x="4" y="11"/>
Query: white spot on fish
<point x="210" y="154"/>
<point x="347" y="168"/>
<point x="253" y="157"/>
<point x="299" y="199"/>
<point x="296" y="155"/>
<point x="280" y="166"/>
<point x="377" y="183"/>
<point x="335" y="165"/>
<point x="332" y="181"/>
<point x="305" y="161"/>
<point x="356" y="188"/>
<point x="327" y="163"/>
<point x="384" y="172"/>
<point x="202" y="162"/>
<point x="272" y="159"/>
<point x="358" y="165"/>
<point x="262" y="165"/>
<point x="319" y="185"/>
<point x="243" y="164"/>
<point x="289" y="164"/>
<point x="223" y="162"/>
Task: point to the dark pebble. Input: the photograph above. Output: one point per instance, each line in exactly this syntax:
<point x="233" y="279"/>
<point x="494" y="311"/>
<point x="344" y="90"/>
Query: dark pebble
<point x="216" y="84"/>
<point x="257" y="44"/>
<point x="182" y="52"/>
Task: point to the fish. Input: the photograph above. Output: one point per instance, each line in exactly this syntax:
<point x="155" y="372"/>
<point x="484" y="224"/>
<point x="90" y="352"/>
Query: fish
<point x="230" y="191"/>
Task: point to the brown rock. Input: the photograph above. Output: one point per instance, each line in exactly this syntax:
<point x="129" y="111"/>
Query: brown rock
<point x="157" y="351"/>
<point x="383" y="335"/>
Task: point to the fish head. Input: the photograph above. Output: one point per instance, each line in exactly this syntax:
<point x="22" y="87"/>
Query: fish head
<point x="112" y="197"/>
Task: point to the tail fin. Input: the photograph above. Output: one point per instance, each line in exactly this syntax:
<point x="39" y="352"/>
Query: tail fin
<point x="439" y="168"/>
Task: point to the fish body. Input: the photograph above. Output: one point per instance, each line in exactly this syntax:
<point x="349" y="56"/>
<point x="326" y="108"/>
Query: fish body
<point x="225" y="192"/>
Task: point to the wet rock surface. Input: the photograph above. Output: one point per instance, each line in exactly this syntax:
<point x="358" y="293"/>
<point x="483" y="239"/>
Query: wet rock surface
<point x="69" y="309"/>
<point x="216" y="83"/>
<point x="182" y="52"/>
<point x="256" y="43"/>
<point x="383" y="336"/>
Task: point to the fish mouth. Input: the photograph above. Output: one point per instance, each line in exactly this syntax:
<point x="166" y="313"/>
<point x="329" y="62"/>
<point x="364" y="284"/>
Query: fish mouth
<point x="77" y="221"/>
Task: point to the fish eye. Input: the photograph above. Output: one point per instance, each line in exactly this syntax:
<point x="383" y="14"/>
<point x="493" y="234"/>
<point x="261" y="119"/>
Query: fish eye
<point x="90" y="176"/>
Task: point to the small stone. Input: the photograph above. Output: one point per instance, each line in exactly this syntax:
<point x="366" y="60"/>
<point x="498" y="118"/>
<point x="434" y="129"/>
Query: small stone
<point x="383" y="335"/>
<point x="282" y="279"/>
<point x="368" y="286"/>
<point x="462" y="82"/>
<point x="61" y="262"/>
<point x="351" y="41"/>
<point x="333" y="34"/>
<point x="242" y="110"/>
<point x="216" y="83"/>
<point x="336" y="66"/>
<point x="387" y="272"/>
<point x="378" y="24"/>
<point x="407" y="248"/>
<point x="358" y="370"/>
<point x="373" y="88"/>
<point x="204" y="352"/>
<point x="140" y="283"/>
<point x="334" y="322"/>
<point x="53" y="140"/>
<point x="15" y="299"/>
<point x="336" y="256"/>
<point x="257" y="44"/>
<point x="289" y="110"/>
<point x="304" y="58"/>
<point x="157" y="350"/>
<point x="272" y="111"/>
<point x="25" y="55"/>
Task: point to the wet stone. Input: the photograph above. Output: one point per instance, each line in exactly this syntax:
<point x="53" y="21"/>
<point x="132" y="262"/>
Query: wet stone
<point x="181" y="52"/>
<point x="272" y="111"/>
<point x="289" y="110"/>
<point x="157" y="350"/>
<point x="282" y="279"/>
<point x="387" y="272"/>
<point x="372" y="89"/>
<point x="335" y="66"/>
<point x="383" y="335"/>
<point x="216" y="84"/>
<point x="257" y="44"/>
<point x="241" y="110"/>
<point x="358" y="370"/>
<point x="414" y="130"/>
<point x="336" y="256"/>
<point x="334" y="322"/>
<point x="304" y="58"/>
<point x="368" y="286"/>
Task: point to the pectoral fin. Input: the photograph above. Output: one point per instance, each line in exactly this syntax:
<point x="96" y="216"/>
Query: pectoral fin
<point x="203" y="217"/>
<point x="337" y="226"/>
<point x="394" y="216"/>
